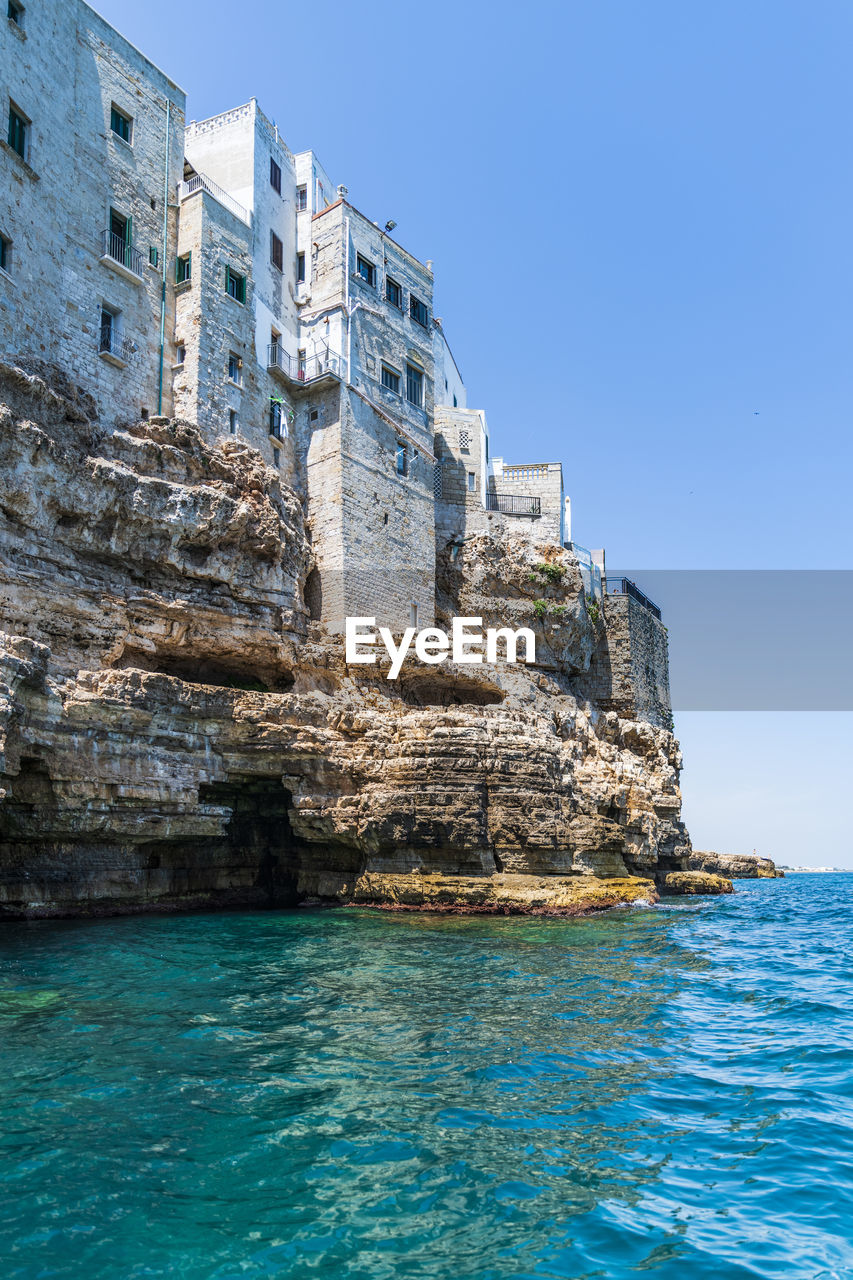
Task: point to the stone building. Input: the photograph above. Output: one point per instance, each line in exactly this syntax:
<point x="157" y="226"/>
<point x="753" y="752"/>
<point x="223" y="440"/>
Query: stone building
<point x="90" y="159"/>
<point x="208" y="272"/>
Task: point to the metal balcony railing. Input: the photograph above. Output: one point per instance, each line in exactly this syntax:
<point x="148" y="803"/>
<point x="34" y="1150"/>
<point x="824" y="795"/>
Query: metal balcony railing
<point x="121" y="251"/>
<point x="303" y="368"/>
<point x="201" y="182"/>
<point x="113" y="343"/>
<point x="625" y="587"/>
<point x="514" y="504"/>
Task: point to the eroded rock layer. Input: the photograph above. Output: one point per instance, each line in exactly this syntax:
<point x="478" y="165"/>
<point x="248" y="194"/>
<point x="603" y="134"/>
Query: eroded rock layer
<point x="175" y="733"/>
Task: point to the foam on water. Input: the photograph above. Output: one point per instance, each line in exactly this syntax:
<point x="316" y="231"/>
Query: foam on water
<point x="347" y="1094"/>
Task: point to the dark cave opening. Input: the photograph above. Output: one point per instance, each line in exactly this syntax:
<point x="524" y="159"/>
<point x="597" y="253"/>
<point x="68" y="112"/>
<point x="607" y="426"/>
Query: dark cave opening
<point x="259" y="832"/>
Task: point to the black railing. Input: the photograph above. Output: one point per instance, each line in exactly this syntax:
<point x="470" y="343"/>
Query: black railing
<point x="512" y="504"/>
<point x="120" y="250"/>
<point x="625" y="587"/>
<point x="112" y="343"/>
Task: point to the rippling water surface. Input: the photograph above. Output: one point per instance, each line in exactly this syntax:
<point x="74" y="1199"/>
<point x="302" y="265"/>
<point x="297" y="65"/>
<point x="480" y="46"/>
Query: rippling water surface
<point x="665" y="1091"/>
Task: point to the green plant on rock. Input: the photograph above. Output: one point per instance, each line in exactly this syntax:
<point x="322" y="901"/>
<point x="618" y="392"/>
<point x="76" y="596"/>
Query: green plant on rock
<point x="593" y="608"/>
<point x="540" y="608"/>
<point x="552" y="573"/>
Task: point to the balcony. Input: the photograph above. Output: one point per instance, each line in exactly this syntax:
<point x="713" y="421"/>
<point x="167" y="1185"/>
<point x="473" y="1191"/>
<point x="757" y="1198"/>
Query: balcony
<point x="115" y="347"/>
<point x="296" y="371"/>
<point x="201" y="182"/>
<point x="625" y="587"/>
<point x="514" y="504"/>
<point x="118" y="254"/>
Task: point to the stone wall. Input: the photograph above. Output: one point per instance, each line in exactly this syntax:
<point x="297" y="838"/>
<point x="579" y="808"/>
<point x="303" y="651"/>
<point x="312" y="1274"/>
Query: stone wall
<point x="629" y="669"/>
<point x="55" y="204"/>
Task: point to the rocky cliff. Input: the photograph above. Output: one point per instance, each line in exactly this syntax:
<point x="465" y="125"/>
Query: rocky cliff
<point x="176" y="733"/>
<point x="736" y="866"/>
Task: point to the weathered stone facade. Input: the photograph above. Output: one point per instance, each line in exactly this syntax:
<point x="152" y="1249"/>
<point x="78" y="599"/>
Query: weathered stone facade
<point x="88" y="216"/>
<point x="629" y="669"/>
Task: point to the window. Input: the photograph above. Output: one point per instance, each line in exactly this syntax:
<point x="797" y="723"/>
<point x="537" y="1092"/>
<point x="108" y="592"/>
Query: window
<point x="464" y="440"/>
<point x="275" y="176"/>
<point x="301" y="199"/>
<point x="183" y="268"/>
<point x="276" y="251"/>
<point x="15" y="13"/>
<point x="120" y="123"/>
<point x="180" y="353"/>
<point x="401" y="458"/>
<point x="110" y="343"/>
<point x="232" y="421"/>
<point x="390" y="380"/>
<point x="300" y="268"/>
<point x="472" y="481"/>
<point x="393" y="293"/>
<point x="5" y="253"/>
<point x="276" y="458"/>
<point x="366" y="270"/>
<point x="235" y="368"/>
<point x="413" y="614"/>
<point x="235" y="285"/>
<point x="414" y="385"/>
<point x="275" y="419"/>
<point x="454" y="400"/>
<point x="19" y="131"/>
<point x="153" y="255"/>
<point x="418" y="311"/>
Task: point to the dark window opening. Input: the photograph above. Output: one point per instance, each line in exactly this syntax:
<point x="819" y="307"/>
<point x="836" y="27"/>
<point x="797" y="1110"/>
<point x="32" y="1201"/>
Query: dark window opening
<point x="235" y="285"/>
<point x="418" y="311"/>
<point x="366" y="270"/>
<point x="393" y="293"/>
<point x="300" y="268"/>
<point x="390" y="380"/>
<point x="402" y="458"/>
<point x="235" y="368"/>
<point x="5" y="253"/>
<point x="301" y="199"/>
<point x="314" y="595"/>
<point x="276" y="251"/>
<point x="275" y="176"/>
<point x="183" y="268"/>
<point x="414" y="385"/>
<point x="153" y="255"/>
<point x="15" y="13"/>
<point x="120" y="123"/>
<point x="232" y="421"/>
<point x="19" y="127"/>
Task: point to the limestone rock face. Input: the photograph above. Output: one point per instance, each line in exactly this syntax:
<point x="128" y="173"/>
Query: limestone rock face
<point x="692" y="882"/>
<point x="737" y="866"/>
<point x="175" y="733"/>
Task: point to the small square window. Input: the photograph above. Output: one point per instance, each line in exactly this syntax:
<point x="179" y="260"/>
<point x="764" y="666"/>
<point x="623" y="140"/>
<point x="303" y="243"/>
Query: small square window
<point x="232" y="421"/>
<point x="366" y="270"/>
<point x="301" y="199"/>
<point x="418" y="311"/>
<point x="235" y="285"/>
<point x="235" y="368"/>
<point x="180" y="353"/>
<point x="5" y="254"/>
<point x="276" y="251"/>
<point x="393" y="293"/>
<point x="275" y="176"/>
<point x="390" y="380"/>
<point x="414" y="385"/>
<point x="402" y="458"/>
<point x="183" y="268"/>
<point x="19" y="131"/>
<point x="300" y="268"/>
<point x="120" y="123"/>
<point x="15" y="13"/>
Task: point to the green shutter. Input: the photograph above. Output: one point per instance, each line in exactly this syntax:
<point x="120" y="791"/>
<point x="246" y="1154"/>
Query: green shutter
<point x="242" y="288"/>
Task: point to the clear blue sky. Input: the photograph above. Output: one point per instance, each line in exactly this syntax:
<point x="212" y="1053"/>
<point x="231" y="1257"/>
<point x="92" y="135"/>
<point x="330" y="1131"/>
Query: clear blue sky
<point x="640" y="218"/>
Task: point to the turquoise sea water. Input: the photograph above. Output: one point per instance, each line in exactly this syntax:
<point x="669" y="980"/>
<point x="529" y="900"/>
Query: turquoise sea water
<point x="664" y="1092"/>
